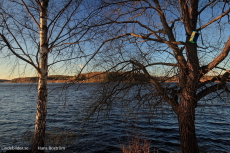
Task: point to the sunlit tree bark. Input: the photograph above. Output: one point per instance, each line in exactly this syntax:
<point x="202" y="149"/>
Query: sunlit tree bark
<point x="40" y="121"/>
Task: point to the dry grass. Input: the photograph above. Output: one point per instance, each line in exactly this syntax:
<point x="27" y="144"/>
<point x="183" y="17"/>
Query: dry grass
<point x="136" y="145"/>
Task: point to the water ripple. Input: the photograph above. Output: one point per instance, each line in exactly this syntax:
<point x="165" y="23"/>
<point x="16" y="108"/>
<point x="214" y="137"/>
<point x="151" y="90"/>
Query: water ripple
<point x="105" y="133"/>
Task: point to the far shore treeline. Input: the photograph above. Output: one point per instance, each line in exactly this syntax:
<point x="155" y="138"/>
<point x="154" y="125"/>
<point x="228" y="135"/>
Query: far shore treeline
<point x="98" y="77"/>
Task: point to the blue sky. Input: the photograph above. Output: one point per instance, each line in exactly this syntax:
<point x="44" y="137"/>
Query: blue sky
<point x="27" y="39"/>
<point x="11" y="68"/>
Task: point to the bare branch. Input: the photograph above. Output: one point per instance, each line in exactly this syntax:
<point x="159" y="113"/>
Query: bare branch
<point x="59" y="36"/>
<point x="214" y="88"/>
<point x="64" y="25"/>
<point x="216" y="78"/>
<point x="69" y="43"/>
<point x="98" y="49"/>
<point x="212" y="21"/>
<point x="157" y="40"/>
<point x="178" y="55"/>
<point x="166" y="64"/>
<point x="162" y="91"/>
<point x="60" y="13"/>
<point x="218" y="59"/>
<point x="16" y="54"/>
<point x="65" y="60"/>
<point x="208" y="4"/>
<point x="17" y="21"/>
<point x="140" y="24"/>
<point x="167" y="29"/>
<point x="28" y="11"/>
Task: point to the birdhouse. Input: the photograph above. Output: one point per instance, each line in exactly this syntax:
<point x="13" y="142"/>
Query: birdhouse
<point x="194" y="37"/>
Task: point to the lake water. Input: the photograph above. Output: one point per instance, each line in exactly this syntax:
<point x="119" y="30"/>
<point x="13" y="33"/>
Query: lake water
<point x="68" y="130"/>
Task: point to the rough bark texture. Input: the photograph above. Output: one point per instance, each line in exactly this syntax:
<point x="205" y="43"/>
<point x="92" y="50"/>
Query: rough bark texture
<point x="186" y="119"/>
<point x="40" y="121"/>
<point x="186" y="113"/>
<point x="188" y="80"/>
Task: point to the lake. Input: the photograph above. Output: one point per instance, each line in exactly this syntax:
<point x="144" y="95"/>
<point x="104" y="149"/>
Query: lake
<point x="69" y="131"/>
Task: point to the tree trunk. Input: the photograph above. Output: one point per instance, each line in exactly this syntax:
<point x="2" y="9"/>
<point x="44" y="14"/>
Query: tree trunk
<point x="188" y="80"/>
<point x="40" y="121"/>
<point x="186" y="119"/>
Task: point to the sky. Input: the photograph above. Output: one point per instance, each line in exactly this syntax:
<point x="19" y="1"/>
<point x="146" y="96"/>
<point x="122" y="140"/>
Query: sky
<point x="11" y="68"/>
<point x="27" y="39"/>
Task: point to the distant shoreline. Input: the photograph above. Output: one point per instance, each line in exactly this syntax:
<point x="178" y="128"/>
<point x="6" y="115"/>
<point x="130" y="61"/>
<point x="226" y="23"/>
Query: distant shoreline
<point x="98" y="77"/>
<point x="64" y="81"/>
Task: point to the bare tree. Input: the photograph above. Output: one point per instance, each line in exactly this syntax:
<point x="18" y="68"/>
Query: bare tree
<point x="43" y="33"/>
<point x="153" y="34"/>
